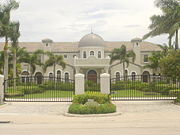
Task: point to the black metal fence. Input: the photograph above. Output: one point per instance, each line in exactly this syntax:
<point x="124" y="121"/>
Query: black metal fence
<point x="144" y="87"/>
<point x="39" y="89"/>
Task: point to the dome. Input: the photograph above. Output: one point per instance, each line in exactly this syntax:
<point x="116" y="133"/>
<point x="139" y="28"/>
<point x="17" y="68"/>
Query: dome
<point x="136" y="39"/>
<point x="91" y="40"/>
<point x="47" y="40"/>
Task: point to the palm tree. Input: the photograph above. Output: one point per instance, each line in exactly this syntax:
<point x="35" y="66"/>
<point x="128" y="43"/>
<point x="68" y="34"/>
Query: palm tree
<point x="32" y="59"/>
<point x="5" y="14"/>
<point x="123" y="56"/>
<point x="154" y="62"/>
<point x="168" y="23"/>
<point x="53" y="61"/>
<point x="14" y="35"/>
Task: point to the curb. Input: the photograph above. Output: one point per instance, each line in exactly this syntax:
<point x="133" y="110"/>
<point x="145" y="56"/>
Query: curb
<point x="177" y="103"/>
<point x="4" y="105"/>
<point x="92" y="115"/>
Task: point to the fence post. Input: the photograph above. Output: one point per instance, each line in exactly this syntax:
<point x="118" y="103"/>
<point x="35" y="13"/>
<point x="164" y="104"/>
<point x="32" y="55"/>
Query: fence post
<point x="1" y="89"/>
<point x="105" y="83"/>
<point x="79" y="84"/>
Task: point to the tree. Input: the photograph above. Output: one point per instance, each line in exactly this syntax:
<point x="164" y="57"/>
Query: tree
<point x="154" y="61"/>
<point x="53" y="61"/>
<point x="122" y="55"/>
<point x="14" y="35"/>
<point x="32" y="59"/>
<point x="168" y="22"/>
<point x="170" y="65"/>
<point x="5" y="14"/>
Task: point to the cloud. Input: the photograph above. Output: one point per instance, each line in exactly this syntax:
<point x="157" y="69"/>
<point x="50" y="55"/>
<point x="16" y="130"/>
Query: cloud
<point x="69" y="20"/>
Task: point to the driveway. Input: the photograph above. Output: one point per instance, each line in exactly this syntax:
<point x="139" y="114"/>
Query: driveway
<point x="141" y="118"/>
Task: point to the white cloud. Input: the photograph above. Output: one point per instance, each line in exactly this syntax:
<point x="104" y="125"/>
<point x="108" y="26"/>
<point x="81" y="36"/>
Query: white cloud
<point x="69" y="20"/>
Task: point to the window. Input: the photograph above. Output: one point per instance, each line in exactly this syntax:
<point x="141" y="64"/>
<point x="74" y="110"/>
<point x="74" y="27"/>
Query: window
<point x="65" y="56"/>
<point x="91" y="53"/>
<point x="58" y="75"/>
<point x="66" y="77"/>
<point x="99" y="54"/>
<point x="146" y="58"/>
<point x="50" y="76"/>
<point x="117" y="76"/>
<point x="84" y="54"/>
<point x="133" y="74"/>
<point x="46" y="44"/>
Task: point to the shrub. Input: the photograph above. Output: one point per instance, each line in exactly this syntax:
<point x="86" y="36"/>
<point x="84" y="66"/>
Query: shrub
<point x="33" y="90"/>
<point x="174" y="92"/>
<point x="98" y="97"/>
<point x="91" y="86"/>
<point x="177" y="100"/>
<point x="92" y="109"/>
<point x="14" y="94"/>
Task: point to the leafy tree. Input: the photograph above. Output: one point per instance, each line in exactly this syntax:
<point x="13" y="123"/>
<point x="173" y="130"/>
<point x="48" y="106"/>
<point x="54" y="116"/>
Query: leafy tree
<point x="5" y="14"/>
<point x="53" y="61"/>
<point x="122" y="55"/>
<point x="170" y="65"/>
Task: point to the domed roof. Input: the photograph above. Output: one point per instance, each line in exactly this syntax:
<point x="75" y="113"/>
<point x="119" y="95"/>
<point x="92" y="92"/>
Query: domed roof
<point x="136" y="39"/>
<point x="91" y="40"/>
<point x="47" y="40"/>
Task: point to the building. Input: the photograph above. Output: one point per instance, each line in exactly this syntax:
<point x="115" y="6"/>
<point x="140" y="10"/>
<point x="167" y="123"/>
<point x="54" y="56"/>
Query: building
<point x="90" y="56"/>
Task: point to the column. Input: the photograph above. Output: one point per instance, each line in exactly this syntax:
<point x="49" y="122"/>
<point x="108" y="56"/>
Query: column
<point x="105" y="83"/>
<point x="79" y="84"/>
<point x="1" y="89"/>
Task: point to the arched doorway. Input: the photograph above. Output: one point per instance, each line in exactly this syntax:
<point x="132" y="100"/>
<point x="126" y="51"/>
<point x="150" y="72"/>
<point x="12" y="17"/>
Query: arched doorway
<point x="146" y="76"/>
<point x="92" y="76"/>
<point x="38" y="77"/>
<point x="25" y="76"/>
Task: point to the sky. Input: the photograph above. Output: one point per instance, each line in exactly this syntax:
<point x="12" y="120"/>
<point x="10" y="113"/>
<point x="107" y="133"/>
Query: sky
<point x="70" y="20"/>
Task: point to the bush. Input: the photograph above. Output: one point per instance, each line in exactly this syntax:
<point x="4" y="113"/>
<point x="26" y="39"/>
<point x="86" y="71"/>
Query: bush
<point x="174" y="92"/>
<point x="33" y="90"/>
<point x="177" y="100"/>
<point x="98" y="97"/>
<point x="14" y="94"/>
<point x="92" y="109"/>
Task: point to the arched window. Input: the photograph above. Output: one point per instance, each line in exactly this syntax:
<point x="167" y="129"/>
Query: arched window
<point x="133" y="74"/>
<point x="91" y="53"/>
<point x="58" y="75"/>
<point x="99" y="54"/>
<point x="25" y="77"/>
<point x="50" y="76"/>
<point x="84" y="54"/>
<point x="66" y="77"/>
<point x="117" y="76"/>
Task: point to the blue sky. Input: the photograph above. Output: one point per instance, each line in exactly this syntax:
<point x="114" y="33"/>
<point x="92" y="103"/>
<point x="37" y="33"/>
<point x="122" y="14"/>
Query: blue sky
<point x="69" y="20"/>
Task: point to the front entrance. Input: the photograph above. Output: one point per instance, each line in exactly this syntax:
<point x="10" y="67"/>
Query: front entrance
<point x="92" y="76"/>
<point x="39" y="77"/>
<point x="146" y="76"/>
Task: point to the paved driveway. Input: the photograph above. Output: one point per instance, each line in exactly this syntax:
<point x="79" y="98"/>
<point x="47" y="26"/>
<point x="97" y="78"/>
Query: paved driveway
<point x="141" y="118"/>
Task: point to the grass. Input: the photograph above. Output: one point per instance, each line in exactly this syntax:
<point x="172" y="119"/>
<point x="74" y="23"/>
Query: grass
<point x="135" y="93"/>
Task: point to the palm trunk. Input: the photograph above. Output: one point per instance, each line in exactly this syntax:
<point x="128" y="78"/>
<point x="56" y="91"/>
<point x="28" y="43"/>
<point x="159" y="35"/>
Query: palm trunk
<point x="124" y="70"/>
<point x="170" y="41"/>
<point x="6" y="60"/>
<point x="176" y="44"/>
<point x="54" y="68"/>
<point x="14" y="66"/>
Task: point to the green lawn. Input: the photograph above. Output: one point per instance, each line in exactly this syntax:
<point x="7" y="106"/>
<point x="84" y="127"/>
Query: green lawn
<point x="135" y="93"/>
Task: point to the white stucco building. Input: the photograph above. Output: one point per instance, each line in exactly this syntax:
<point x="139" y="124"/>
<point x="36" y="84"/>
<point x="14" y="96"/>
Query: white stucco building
<point x="90" y="56"/>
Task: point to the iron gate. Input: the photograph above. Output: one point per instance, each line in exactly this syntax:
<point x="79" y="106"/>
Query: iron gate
<point x="36" y="89"/>
<point x="144" y="87"/>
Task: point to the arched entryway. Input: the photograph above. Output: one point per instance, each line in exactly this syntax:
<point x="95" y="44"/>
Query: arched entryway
<point x="38" y="77"/>
<point x="146" y="76"/>
<point x="92" y="76"/>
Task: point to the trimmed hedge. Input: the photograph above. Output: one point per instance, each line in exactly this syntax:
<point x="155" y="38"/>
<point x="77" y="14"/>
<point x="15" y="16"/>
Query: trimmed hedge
<point x="92" y="109"/>
<point x="101" y="104"/>
<point x="98" y="97"/>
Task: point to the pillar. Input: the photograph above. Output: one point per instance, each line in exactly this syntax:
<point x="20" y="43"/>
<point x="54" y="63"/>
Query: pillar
<point x="1" y="89"/>
<point x="105" y="83"/>
<point x="79" y="84"/>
